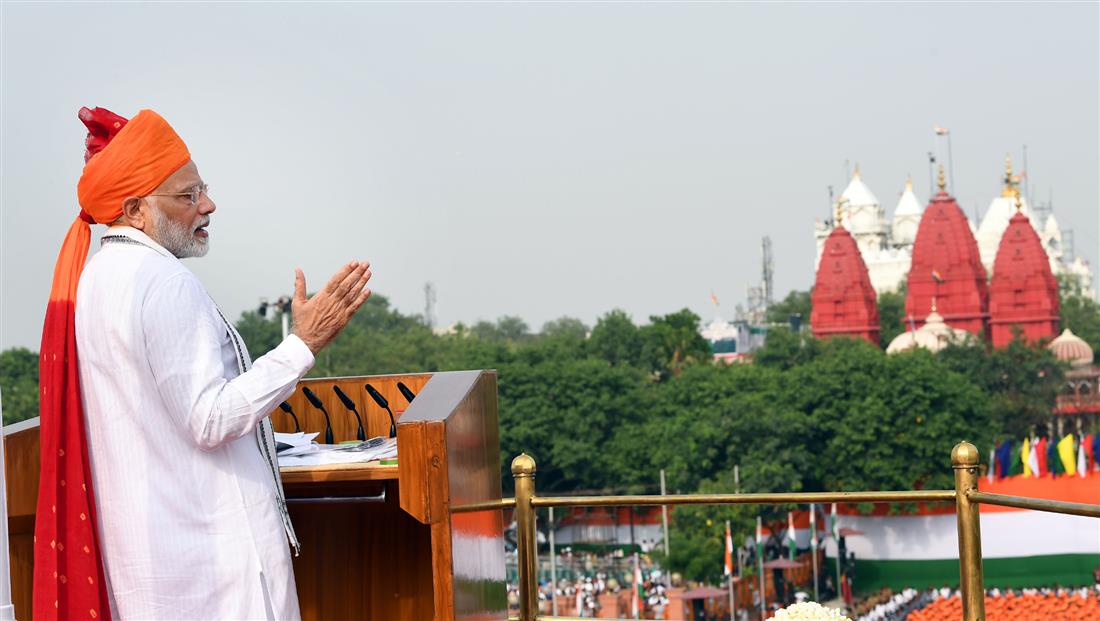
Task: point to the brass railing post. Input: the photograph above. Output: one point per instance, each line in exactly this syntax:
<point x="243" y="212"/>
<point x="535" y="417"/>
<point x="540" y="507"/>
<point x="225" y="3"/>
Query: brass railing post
<point x="523" y="472"/>
<point x="964" y="460"/>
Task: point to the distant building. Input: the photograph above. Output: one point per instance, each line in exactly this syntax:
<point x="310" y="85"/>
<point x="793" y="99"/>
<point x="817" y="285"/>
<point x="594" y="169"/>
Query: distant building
<point x="1023" y="294"/>
<point x="844" y="302"/>
<point x="886" y="244"/>
<point x="946" y="273"/>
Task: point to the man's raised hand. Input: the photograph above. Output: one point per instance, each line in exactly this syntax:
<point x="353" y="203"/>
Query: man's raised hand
<point x="319" y="319"/>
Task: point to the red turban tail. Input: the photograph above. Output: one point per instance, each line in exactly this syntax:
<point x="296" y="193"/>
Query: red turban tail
<point x="124" y="159"/>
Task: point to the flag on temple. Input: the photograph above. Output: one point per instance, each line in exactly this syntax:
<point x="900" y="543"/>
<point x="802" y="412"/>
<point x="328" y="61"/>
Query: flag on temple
<point x="1067" y="455"/>
<point x="792" y="545"/>
<point x="1025" y="457"/>
<point x="729" y="551"/>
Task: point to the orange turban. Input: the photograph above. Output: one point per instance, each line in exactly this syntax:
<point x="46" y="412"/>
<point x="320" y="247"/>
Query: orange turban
<point x="124" y="158"/>
<point x="144" y="153"/>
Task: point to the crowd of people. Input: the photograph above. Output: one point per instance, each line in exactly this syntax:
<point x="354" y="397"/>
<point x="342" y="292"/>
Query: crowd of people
<point x="581" y="596"/>
<point x="889" y="606"/>
<point x="1055" y="604"/>
<point x="943" y="604"/>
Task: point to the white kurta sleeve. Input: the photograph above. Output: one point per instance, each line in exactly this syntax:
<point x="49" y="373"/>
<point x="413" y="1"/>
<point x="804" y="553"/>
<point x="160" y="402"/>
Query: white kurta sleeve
<point x="183" y="341"/>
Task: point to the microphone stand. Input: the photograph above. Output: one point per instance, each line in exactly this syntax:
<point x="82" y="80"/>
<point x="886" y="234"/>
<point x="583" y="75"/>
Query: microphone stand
<point x="349" y="404"/>
<point x="284" y="406"/>
<point x="382" y="403"/>
<point x="320" y="406"/>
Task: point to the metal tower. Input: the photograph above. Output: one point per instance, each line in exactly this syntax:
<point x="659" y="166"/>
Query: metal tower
<point x="429" y="305"/>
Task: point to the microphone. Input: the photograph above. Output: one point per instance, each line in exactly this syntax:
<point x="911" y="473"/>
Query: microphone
<point x="349" y="404"/>
<point x="382" y="403"/>
<point x="284" y="406"/>
<point x="408" y="394"/>
<point x="320" y="406"/>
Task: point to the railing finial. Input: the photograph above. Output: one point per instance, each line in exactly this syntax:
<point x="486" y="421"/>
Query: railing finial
<point x="964" y="455"/>
<point x="523" y="465"/>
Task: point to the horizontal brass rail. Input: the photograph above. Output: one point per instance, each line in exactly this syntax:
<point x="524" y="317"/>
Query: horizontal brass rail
<point x="743" y="499"/>
<point x="1036" y="504"/>
<point x="503" y="503"/>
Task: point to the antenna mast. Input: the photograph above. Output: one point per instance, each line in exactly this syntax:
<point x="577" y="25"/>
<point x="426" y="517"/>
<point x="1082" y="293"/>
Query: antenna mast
<point x="429" y="305"/>
<point x="766" y="272"/>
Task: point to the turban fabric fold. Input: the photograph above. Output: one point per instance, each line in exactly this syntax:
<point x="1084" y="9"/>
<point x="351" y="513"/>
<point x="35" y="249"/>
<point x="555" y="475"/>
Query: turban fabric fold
<point x="123" y="159"/>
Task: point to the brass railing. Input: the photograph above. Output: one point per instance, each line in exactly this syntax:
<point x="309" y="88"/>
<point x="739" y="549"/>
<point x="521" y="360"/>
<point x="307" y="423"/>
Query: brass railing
<point x="964" y="461"/>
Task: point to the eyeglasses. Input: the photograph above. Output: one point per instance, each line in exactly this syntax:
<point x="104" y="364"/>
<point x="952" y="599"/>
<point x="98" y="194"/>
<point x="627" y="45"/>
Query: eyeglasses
<point x="193" y="195"/>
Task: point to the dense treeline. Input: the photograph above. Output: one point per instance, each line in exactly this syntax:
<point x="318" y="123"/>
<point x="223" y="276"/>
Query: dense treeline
<point x="607" y="407"/>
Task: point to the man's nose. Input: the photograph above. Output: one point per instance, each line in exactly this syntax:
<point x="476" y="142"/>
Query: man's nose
<point x="206" y="205"/>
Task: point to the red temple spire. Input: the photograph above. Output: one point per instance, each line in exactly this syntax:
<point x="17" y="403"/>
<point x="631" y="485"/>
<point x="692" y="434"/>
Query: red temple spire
<point x="947" y="266"/>
<point x="843" y="299"/>
<point x="1023" y="294"/>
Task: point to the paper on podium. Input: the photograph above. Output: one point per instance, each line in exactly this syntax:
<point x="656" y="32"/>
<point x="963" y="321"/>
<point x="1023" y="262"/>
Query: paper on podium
<point x="322" y="454"/>
<point x="298" y="443"/>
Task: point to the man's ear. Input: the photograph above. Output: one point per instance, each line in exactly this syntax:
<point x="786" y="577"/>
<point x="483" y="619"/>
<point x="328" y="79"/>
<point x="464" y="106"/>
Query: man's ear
<point x="132" y="213"/>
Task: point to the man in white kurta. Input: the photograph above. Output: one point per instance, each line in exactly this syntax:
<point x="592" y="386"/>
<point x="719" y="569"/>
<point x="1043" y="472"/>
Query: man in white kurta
<point x="167" y="444"/>
<point x="189" y="509"/>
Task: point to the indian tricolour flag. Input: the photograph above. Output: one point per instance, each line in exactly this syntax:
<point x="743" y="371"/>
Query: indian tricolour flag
<point x="729" y="551"/>
<point x="639" y="589"/>
<point x="792" y="545"/>
<point x="1020" y="548"/>
<point x="759" y="537"/>
<point x="834" y="530"/>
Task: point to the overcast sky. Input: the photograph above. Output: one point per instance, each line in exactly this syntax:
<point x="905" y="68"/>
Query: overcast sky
<point x="539" y="160"/>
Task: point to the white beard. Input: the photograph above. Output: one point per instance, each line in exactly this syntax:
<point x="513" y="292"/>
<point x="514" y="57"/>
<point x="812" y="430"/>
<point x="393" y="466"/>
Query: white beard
<point x="178" y="239"/>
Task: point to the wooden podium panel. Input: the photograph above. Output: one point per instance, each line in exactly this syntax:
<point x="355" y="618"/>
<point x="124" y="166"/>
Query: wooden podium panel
<point x="379" y="543"/>
<point x="423" y="562"/>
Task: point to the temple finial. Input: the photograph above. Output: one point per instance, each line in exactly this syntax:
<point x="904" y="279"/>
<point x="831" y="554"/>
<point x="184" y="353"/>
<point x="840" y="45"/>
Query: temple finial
<point x="1019" y="201"/>
<point x="855" y="175"/>
<point x="909" y="183"/>
<point x="942" y="181"/>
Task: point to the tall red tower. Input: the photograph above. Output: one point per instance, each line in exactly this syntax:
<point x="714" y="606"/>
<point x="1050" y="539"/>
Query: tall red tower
<point x="947" y="266"/>
<point x="843" y="299"/>
<point x="1023" y="293"/>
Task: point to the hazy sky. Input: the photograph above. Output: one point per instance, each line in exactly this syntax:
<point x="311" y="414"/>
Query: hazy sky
<point x="539" y="160"/>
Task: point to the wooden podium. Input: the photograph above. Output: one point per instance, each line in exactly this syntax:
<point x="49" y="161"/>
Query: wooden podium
<point x="379" y="543"/>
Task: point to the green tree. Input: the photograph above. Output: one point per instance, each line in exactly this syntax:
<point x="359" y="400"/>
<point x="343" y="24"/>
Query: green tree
<point x="616" y="339"/>
<point x="891" y="314"/>
<point x="19" y="384"/>
<point x="796" y="303"/>
<point x="671" y="342"/>
<point x="260" y="334"/>
<point x="1019" y="380"/>
<point x="1080" y="313"/>
<point x="565" y="327"/>
<point x="784" y="349"/>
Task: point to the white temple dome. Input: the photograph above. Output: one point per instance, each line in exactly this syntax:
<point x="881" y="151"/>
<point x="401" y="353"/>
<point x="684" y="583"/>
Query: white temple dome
<point x="934" y="335"/>
<point x="1069" y="347"/>
<point x="857" y="194"/>
<point x="906" y="216"/>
